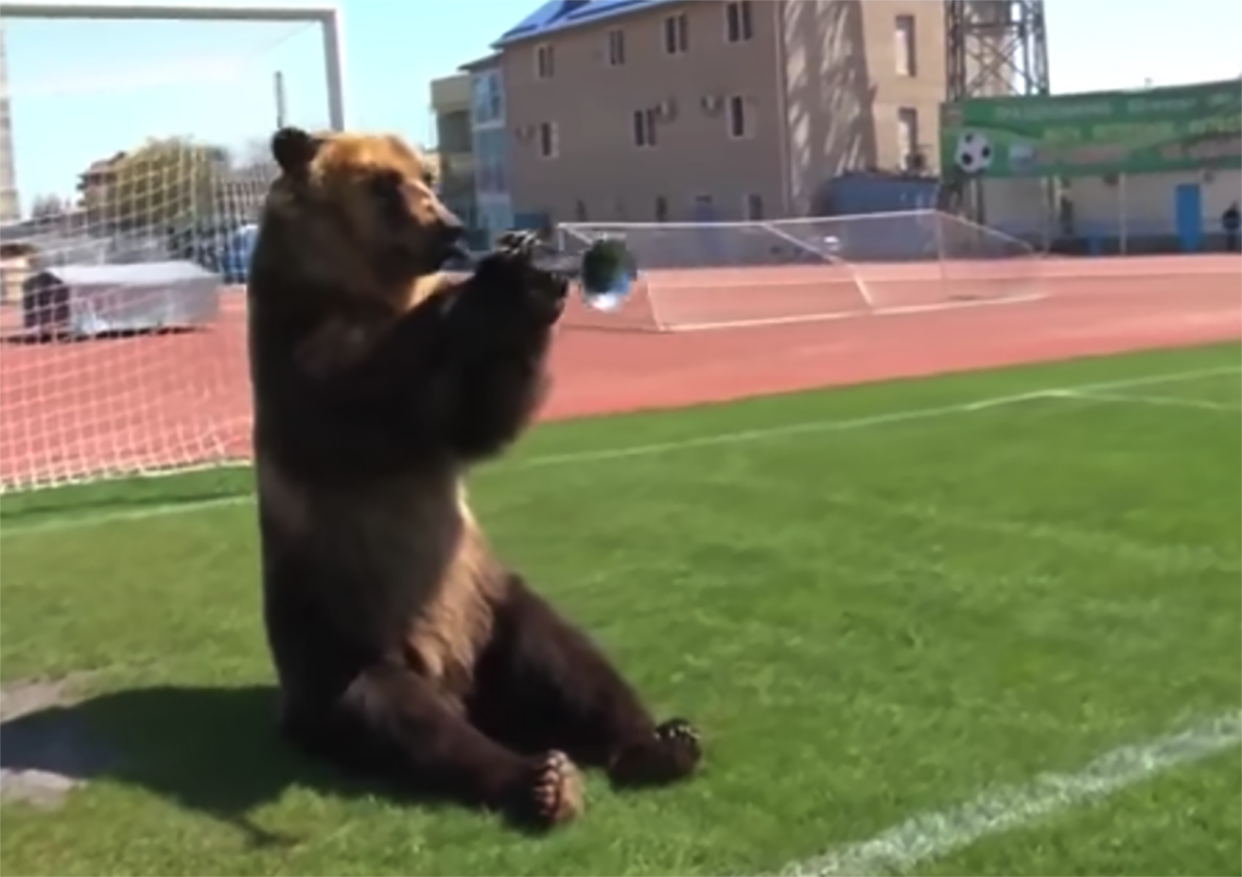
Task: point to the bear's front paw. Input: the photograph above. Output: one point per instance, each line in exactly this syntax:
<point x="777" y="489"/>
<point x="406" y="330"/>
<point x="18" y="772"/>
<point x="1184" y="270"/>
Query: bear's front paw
<point x="553" y="792"/>
<point x="512" y="274"/>
<point x="523" y="244"/>
<point x="672" y="753"/>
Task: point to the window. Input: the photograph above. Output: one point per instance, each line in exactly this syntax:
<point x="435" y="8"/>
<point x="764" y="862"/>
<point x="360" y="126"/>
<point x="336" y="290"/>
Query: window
<point x="490" y="161"/>
<point x="616" y="47"/>
<point x="740" y="122"/>
<point x="907" y="136"/>
<point x="739" y="25"/>
<point x="903" y="39"/>
<point x="754" y="206"/>
<point x="645" y="128"/>
<point x="487" y="97"/>
<point x="676" y="34"/>
<point x="545" y="62"/>
<point x="661" y="209"/>
<point x="547" y="140"/>
<point x="580" y="211"/>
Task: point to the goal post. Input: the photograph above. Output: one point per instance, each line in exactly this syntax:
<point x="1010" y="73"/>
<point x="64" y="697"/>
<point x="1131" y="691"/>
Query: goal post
<point x="122" y="320"/>
<point x="697" y="276"/>
<point x="327" y="17"/>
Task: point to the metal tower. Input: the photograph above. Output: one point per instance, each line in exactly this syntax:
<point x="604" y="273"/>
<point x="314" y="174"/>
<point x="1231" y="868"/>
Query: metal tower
<point x="995" y="48"/>
<point x="10" y="207"/>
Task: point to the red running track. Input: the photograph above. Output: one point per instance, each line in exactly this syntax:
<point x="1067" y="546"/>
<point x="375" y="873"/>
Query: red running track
<point x="72" y="410"/>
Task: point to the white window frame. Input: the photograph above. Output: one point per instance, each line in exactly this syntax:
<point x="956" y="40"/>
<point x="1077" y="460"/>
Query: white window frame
<point x="748" y="200"/>
<point x="643" y="129"/>
<point x="906" y="62"/>
<point x="748" y="122"/>
<point x="676" y="34"/>
<point x="745" y="13"/>
<point x="552" y="141"/>
<point x="545" y="61"/>
<point x="615" y="47"/>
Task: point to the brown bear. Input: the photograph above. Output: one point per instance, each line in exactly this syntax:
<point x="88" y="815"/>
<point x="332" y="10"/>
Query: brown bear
<point x="404" y="648"/>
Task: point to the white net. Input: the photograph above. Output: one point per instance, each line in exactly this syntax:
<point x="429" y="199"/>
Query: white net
<point x="140" y="154"/>
<point x="727" y="274"/>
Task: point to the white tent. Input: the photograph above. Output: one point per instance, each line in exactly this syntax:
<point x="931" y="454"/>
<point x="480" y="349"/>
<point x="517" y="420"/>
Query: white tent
<point x="86" y="300"/>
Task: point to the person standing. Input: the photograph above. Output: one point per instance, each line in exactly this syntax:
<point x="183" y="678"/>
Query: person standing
<point x="1231" y="222"/>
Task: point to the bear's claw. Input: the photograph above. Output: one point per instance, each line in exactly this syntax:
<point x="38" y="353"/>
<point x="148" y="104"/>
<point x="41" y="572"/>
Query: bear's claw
<point x="556" y="793"/>
<point x="672" y="753"/>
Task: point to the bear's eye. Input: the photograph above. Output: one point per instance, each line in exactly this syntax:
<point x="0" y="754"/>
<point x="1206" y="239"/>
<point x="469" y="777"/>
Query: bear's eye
<point x="387" y="188"/>
<point x="385" y="184"/>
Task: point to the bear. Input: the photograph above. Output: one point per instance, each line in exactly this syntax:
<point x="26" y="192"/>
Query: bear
<point x="404" y="649"/>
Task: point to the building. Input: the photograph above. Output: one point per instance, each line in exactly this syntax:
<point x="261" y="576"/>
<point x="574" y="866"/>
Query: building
<point x="450" y="105"/>
<point x="1145" y="170"/>
<point x="99" y="175"/>
<point x="490" y="141"/>
<point x="654" y="110"/>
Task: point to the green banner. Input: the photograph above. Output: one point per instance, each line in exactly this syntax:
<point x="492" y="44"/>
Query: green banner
<point x="1109" y="132"/>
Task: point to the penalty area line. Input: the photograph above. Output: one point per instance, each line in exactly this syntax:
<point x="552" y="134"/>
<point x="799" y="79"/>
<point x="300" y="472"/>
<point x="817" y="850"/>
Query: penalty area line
<point x="1149" y="401"/>
<point x="933" y="835"/>
<point x="892" y="417"/>
<point x="11" y="530"/>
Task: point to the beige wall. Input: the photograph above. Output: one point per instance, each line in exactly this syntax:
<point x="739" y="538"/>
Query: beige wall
<point x="819" y="75"/>
<point x="1146" y="201"/>
<point x="593" y="105"/>
<point x="844" y="90"/>
<point x="450" y="93"/>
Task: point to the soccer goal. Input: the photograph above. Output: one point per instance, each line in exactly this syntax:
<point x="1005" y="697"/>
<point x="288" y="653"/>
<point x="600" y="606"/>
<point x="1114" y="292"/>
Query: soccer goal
<point x="133" y="167"/>
<point x="719" y="275"/>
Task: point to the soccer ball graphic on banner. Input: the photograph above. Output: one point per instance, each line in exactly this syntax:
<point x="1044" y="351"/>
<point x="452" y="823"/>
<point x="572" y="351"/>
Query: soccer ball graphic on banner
<point x="974" y="152"/>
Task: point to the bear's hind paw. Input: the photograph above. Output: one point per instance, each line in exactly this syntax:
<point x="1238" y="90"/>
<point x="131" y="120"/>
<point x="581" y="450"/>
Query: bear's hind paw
<point x="554" y="794"/>
<point x="672" y="753"/>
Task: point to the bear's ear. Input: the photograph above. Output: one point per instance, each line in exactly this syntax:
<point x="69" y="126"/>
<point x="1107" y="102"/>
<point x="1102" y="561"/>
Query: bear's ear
<point x="294" y="149"/>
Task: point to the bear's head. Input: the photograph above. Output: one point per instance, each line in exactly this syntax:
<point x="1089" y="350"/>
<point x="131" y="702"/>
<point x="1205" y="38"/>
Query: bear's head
<point x="355" y="214"/>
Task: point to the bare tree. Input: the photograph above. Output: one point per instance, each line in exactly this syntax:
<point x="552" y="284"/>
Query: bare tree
<point x="47" y="207"/>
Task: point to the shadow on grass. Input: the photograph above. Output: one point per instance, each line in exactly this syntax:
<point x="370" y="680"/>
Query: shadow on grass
<point x="211" y="750"/>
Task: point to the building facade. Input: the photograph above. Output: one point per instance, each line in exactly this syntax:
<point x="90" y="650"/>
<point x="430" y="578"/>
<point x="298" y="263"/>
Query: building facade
<point x="451" y="107"/>
<point x="694" y="110"/>
<point x="490" y="142"/>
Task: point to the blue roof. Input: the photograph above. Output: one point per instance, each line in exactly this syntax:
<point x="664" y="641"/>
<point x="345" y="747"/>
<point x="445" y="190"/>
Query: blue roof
<point x="555" y="16"/>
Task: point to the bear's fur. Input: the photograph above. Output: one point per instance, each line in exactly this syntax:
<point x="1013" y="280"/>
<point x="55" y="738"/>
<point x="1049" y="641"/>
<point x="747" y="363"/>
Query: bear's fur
<point x="403" y="647"/>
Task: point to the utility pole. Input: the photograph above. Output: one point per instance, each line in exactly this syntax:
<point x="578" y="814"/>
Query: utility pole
<point x="279" y="84"/>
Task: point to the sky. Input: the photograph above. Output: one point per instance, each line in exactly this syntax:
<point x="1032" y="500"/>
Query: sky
<point x="82" y="91"/>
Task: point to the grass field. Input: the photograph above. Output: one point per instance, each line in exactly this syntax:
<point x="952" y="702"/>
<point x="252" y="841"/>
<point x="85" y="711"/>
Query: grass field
<point x="879" y="604"/>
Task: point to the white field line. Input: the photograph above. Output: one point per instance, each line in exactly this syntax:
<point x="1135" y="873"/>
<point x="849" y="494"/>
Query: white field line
<point x="860" y="313"/>
<point x="934" y="835"/>
<point x="650" y="450"/>
<point x="1154" y="401"/>
<point x="903" y="416"/>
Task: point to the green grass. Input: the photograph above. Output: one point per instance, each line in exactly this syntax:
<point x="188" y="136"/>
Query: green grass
<point x="868" y="622"/>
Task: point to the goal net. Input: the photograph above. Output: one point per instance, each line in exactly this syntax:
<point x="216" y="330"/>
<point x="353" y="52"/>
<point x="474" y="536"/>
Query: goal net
<point x="132" y="170"/>
<point x="732" y="274"/>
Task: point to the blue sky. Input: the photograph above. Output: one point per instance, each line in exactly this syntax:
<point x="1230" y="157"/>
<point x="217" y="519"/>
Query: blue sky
<point x="116" y="83"/>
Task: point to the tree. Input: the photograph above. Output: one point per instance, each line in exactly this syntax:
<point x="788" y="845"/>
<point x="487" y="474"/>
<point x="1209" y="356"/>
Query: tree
<point x="163" y="184"/>
<point x="47" y="207"/>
